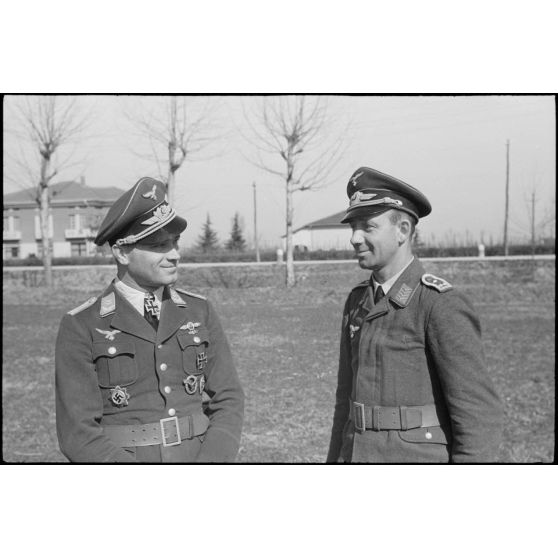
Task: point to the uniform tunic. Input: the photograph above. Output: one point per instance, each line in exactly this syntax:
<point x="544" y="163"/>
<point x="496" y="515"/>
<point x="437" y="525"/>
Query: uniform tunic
<point x="419" y="345"/>
<point x="106" y="344"/>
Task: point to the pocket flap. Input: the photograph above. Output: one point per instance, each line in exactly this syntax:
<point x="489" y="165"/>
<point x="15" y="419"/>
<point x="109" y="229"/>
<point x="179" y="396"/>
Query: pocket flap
<point x="112" y="350"/>
<point x="186" y="339"/>
<point x="426" y="435"/>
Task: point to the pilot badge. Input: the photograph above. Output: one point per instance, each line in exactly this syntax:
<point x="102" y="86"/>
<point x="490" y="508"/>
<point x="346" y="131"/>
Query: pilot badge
<point x="191" y="327"/>
<point x="190" y="384"/>
<point x="119" y="396"/>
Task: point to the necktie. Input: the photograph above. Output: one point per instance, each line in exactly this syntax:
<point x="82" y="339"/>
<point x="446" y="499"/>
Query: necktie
<point x="379" y="294"/>
<point x="151" y="310"/>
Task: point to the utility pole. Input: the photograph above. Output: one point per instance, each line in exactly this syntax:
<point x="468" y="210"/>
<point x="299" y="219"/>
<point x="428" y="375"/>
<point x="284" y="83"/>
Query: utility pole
<point x="256" y="225"/>
<point x="507" y="198"/>
<point x="533" y="223"/>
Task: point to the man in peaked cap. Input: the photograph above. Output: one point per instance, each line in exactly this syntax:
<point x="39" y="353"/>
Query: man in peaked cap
<point x="412" y="382"/>
<point x="144" y="372"/>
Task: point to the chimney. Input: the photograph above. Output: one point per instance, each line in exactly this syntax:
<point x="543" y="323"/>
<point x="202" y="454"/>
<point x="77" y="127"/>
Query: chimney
<point x="82" y="180"/>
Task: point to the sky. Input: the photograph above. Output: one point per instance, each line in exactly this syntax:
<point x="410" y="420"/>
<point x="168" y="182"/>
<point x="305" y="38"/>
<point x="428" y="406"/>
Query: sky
<point x="452" y="148"/>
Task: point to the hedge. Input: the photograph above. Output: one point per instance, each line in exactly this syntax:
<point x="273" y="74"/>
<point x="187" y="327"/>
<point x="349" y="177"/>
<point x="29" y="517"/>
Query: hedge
<point x="222" y="256"/>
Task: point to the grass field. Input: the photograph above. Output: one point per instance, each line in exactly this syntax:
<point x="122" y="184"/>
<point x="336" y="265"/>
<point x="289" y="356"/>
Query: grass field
<point x="285" y="345"/>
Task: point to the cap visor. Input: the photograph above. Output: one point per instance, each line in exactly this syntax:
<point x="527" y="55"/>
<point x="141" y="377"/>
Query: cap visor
<point x="177" y="225"/>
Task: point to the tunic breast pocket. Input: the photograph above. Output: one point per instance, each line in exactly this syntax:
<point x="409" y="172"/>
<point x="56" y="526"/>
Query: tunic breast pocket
<point x="115" y="363"/>
<point x="194" y="350"/>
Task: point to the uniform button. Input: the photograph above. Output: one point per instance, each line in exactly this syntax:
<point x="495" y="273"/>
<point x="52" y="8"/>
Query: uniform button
<point x="111" y="350"/>
<point x="428" y="435"/>
<point x="172" y="412"/>
<point x="196" y="339"/>
<point x="159" y="346"/>
<point x="167" y="389"/>
<point x="163" y="367"/>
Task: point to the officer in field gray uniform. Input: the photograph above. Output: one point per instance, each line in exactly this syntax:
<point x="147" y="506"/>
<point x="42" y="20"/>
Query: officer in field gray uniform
<point x="412" y="383"/>
<point x="144" y="372"/>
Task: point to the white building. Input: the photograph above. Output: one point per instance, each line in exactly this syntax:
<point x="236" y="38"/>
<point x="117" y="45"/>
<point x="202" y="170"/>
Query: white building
<point x="327" y="233"/>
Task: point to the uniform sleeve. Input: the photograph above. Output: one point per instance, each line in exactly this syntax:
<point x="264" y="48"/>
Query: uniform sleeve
<point x="226" y="408"/>
<point x="475" y="409"/>
<point x="79" y="406"/>
<point x="343" y="392"/>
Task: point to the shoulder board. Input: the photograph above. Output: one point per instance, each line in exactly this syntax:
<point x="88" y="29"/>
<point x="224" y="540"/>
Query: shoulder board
<point x="365" y="283"/>
<point x="83" y="306"/>
<point x="182" y="291"/>
<point x="437" y="283"/>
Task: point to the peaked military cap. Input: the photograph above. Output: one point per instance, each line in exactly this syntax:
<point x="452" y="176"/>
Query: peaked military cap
<point x="372" y="192"/>
<point x="141" y="211"/>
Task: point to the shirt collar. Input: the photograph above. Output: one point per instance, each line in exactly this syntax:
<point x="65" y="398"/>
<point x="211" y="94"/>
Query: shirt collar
<point x="135" y="297"/>
<point x="386" y="285"/>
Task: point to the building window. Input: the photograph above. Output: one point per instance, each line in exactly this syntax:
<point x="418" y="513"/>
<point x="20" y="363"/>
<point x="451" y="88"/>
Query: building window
<point x="78" y="249"/>
<point x="38" y="226"/>
<point x="11" y="251"/>
<point x="40" y="248"/>
<point x="11" y="223"/>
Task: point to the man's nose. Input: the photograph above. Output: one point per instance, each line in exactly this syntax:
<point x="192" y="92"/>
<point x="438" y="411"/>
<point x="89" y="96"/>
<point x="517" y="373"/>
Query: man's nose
<point x="356" y="237"/>
<point x="173" y="254"/>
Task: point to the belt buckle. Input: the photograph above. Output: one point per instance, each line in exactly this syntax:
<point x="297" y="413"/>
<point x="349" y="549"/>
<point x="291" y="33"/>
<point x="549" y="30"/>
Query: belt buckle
<point x="165" y="435"/>
<point x="359" y="417"/>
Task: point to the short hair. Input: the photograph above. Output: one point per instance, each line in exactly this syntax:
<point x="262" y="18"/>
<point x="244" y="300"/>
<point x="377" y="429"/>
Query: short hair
<point x="396" y="215"/>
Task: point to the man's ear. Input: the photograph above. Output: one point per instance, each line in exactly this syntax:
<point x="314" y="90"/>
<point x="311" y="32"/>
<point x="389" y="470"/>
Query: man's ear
<point x="120" y="254"/>
<point x="404" y="230"/>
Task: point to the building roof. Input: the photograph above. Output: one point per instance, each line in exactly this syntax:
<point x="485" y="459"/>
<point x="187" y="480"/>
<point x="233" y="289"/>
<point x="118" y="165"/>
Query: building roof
<point x="331" y="222"/>
<point x="66" y="194"/>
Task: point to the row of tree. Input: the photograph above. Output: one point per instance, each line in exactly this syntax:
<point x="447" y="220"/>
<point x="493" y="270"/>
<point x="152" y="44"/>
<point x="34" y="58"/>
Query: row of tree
<point x="292" y="137"/>
<point x="208" y="241"/>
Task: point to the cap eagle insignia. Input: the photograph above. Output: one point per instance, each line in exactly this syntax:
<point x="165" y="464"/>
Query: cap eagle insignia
<point x="151" y="195"/>
<point x="355" y="177"/>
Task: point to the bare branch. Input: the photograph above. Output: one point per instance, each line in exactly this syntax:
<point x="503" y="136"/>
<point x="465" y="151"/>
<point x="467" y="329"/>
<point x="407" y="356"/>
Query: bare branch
<point x="176" y="128"/>
<point x="295" y="130"/>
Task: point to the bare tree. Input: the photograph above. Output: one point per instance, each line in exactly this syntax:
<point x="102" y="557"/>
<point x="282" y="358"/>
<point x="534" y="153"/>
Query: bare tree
<point x="48" y="123"/>
<point x="178" y="128"/>
<point x="295" y="128"/>
<point x="535" y="222"/>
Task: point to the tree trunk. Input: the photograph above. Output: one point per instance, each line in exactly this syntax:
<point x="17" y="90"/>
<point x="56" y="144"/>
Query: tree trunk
<point x="170" y="186"/>
<point x="43" y="216"/>
<point x="290" y="274"/>
<point x="45" y="239"/>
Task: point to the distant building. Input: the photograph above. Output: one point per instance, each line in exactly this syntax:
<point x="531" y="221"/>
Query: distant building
<point x="76" y="210"/>
<point x="324" y="234"/>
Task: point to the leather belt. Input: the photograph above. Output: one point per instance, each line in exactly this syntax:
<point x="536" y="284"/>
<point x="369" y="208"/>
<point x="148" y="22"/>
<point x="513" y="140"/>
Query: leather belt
<point x="168" y="432"/>
<point x="366" y="417"/>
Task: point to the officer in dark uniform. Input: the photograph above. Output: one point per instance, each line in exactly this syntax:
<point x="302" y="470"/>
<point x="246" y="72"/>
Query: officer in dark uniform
<point x="144" y="372"/>
<point x="412" y="383"/>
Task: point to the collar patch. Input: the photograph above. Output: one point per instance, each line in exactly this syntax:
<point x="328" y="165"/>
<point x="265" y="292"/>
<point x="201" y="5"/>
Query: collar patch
<point x="176" y="298"/>
<point x="108" y="305"/>
<point x="403" y="295"/>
